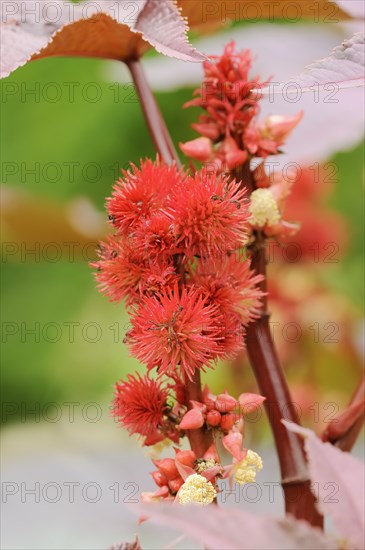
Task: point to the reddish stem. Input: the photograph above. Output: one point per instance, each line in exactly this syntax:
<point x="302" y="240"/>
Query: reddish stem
<point x="299" y="501"/>
<point x="152" y="113"/>
<point x="347" y="441"/>
<point x="200" y="439"/>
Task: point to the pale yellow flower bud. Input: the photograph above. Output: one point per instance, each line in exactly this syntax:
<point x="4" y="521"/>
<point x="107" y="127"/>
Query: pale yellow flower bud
<point x="263" y="208"/>
<point x="197" y="490"/>
<point x="203" y="465"/>
<point x="246" y="470"/>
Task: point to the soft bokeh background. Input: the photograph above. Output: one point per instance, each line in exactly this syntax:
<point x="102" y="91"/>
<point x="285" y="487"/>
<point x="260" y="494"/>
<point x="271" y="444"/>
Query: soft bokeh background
<point x="75" y="123"/>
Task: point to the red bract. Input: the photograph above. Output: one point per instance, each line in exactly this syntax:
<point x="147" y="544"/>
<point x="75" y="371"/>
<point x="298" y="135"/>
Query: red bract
<point x="141" y="193"/>
<point x="123" y="272"/>
<point x="209" y="214"/>
<point x="139" y="404"/>
<point x="176" y="330"/>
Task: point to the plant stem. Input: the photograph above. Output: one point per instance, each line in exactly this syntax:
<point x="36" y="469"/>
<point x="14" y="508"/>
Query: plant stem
<point x="299" y="501"/>
<point x="200" y="439"/>
<point x="347" y="441"/>
<point x="152" y="113"/>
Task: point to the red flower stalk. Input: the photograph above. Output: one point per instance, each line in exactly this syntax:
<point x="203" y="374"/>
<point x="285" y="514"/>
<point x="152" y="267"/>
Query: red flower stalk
<point x="176" y="330"/>
<point x="140" y="404"/>
<point x="230" y="132"/>
<point x="226" y="94"/>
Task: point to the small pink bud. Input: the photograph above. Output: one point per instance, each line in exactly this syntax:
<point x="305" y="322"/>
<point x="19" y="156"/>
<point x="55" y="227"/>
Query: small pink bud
<point x="235" y="158"/>
<point x="233" y="443"/>
<point x="228" y="145"/>
<point x="214" y="418"/>
<point x="159" y="478"/>
<point x="163" y="492"/>
<point x="209" y="399"/>
<point x="249" y="402"/>
<point x="280" y="126"/>
<point x="228" y="421"/>
<point x="211" y="452"/>
<point x="192" y="420"/>
<point x="231" y="154"/>
<point x="185" y="457"/>
<point x="184" y="470"/>
<point x="210" y="402"/>
<point x="175" y="484"/>
<point x="199" y="149"/>
<point x="225" y="403"/>
<point x="210" y="131"/>
<point x="168" y="467"/>
<point x="197" y="405"/>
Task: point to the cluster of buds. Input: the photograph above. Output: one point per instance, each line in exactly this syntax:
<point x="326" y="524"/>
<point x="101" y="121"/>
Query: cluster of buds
<point x="186" y="478"/>
<point x="230" y="132"/>
<point x="220" y="413"/>
<point x="189" y="480"/>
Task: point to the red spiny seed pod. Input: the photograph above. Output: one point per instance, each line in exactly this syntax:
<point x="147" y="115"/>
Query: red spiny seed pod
<point x="176" y="330"/>
<point x="214" y="418"/>
<point x="139" y="404"/>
